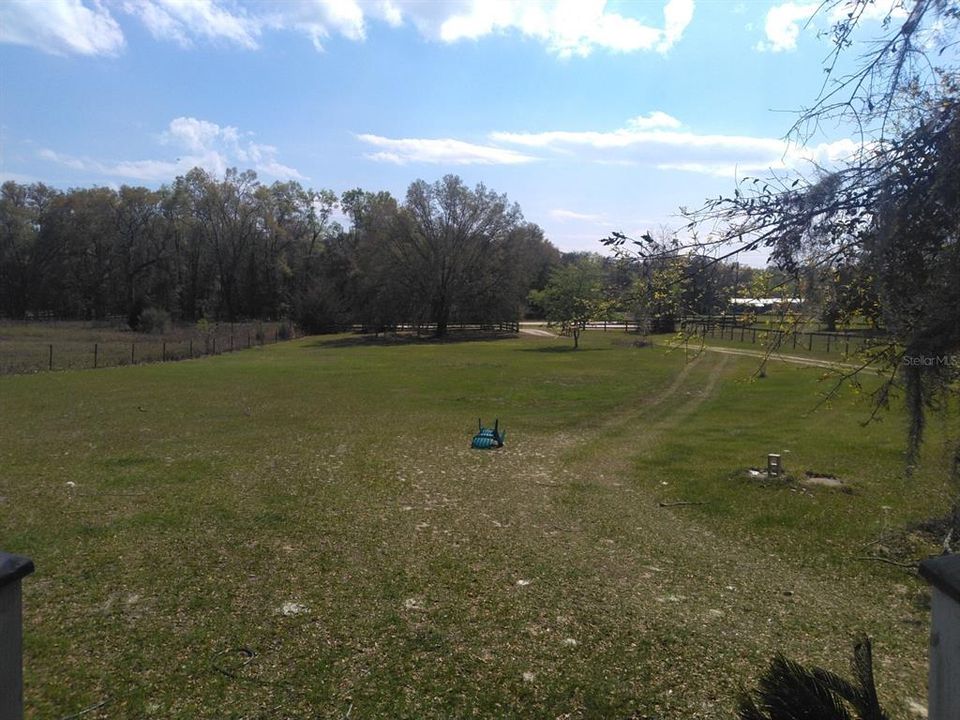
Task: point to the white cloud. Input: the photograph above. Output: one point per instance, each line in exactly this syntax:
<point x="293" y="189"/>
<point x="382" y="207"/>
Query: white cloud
<point x="181" y="20"/>
<point x="392" y="14"/>
<point x="192" y="134"/>
<point x="317" y="19"/>
<point x="401" y="151"/>
<point x="784" y="22"/>
<point x="143" y="170"/>
<point x="653" y="140"/>
<point x="656" y="119"/>
<point x="279" y="170"/>
<point x="186" y="21"/>
<point x="687" y="151"/>
<point x="726" y="170"/>
<point x="60" y="27"/>
<point x="561" y="214"/>
<point x="198" y="143"/>
<point x="567" y="27"/>
<point x="677" y="15"/>
<point x="782" y="26"/>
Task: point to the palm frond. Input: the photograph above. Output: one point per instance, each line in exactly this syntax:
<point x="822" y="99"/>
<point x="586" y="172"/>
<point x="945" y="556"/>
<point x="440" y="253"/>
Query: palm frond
<point x="789" y="691"/>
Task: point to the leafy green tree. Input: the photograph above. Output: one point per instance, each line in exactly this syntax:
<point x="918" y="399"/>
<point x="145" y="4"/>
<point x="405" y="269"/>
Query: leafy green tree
<point x="379" y="297"/>
<point x="445" y="246"/>
<point x="25" y="261"/>
<point x="574" y="296"/>
<point x="140" y="245"/>
<point x="86" y="222"/>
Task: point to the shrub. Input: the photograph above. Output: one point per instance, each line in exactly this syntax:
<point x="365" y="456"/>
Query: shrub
<point x="154" y="320"/>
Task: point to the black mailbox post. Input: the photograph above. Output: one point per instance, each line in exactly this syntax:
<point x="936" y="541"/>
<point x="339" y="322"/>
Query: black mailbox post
<point x="13" y="568"/>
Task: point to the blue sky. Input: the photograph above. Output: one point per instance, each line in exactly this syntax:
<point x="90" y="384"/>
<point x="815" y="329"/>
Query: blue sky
<point x="591" y="115"/>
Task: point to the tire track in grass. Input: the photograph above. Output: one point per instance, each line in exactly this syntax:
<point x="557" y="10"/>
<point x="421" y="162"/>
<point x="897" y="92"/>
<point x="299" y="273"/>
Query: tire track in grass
<point x="716" y="605"/>
<point x="607" y="455"/>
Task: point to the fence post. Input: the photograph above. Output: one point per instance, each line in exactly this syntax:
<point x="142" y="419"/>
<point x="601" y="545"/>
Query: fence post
<point x="191" y="348"/>
<point x="133" y="353"/>
<point x="943" y="681"/>
<point x="828" y="342"/>
<point x="13" y="568"/>
<point x="742" y="329"/>
<point x="809" y="342"/>
<point x="754" y="340"/>
<point x="96" y="350"/>
<point x="50" y="364"/>
<point x="163" y="351"/>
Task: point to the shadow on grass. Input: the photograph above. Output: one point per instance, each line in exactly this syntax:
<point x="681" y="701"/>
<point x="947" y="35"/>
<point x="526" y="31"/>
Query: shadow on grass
<point x="563" y="349"/>
<point x="370" y="340"/>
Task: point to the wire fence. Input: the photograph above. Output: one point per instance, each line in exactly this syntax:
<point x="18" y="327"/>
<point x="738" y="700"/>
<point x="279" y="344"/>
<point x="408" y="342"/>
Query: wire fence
<point x="66" y="348"/>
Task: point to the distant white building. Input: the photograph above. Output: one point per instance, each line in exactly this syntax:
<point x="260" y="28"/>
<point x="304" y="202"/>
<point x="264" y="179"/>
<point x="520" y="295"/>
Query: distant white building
<point x="764" y="303"/>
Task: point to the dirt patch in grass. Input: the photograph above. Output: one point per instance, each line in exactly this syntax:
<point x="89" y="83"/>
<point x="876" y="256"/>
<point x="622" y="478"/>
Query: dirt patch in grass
<point x="817" y="479"/>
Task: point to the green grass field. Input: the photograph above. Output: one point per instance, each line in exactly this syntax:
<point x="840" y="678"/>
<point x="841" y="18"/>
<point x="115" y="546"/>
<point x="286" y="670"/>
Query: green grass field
<point x="301" y="531"/>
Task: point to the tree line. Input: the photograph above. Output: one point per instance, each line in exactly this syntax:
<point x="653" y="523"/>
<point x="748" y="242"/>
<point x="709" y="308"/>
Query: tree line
<point x="233" y="248"/>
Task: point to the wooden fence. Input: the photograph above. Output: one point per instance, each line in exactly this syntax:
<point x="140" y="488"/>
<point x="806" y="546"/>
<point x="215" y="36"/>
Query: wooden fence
<point x="425" y="328"/>
<point x="731" y="328"/>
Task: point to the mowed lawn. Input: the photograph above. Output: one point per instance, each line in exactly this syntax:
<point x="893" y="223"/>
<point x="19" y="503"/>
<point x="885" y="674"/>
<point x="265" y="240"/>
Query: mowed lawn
<point x="301" y="531"/>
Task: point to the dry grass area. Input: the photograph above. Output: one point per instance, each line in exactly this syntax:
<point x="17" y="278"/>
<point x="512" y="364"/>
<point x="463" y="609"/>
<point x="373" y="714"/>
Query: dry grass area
<point x="303" y="531"/>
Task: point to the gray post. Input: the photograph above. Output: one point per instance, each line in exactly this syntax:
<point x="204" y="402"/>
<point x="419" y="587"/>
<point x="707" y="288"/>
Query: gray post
<point x="13" y="568"/>
<point x="943" y="693"/>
